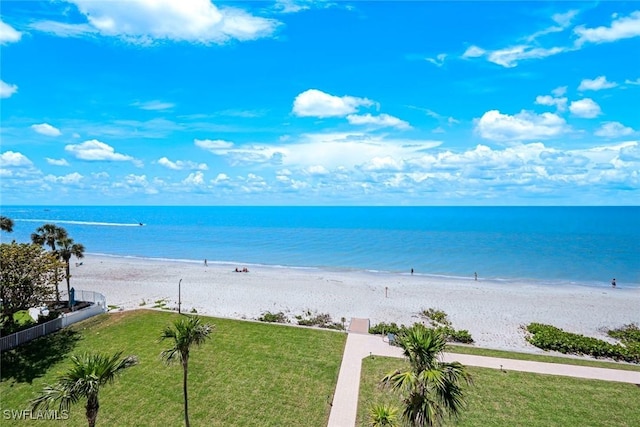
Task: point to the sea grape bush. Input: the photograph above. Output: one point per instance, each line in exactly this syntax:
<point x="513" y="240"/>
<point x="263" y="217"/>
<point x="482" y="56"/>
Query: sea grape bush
<point x="437" y="320"/>
<point x="270" y="317"/>
<point x="549" y="337"/>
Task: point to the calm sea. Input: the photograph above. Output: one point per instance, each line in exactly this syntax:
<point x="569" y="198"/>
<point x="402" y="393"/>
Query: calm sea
<point x="586" y="245"/>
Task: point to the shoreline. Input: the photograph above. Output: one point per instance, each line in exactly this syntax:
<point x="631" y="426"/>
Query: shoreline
<point x="499" y="281"/>
<point x="492" y="312"/>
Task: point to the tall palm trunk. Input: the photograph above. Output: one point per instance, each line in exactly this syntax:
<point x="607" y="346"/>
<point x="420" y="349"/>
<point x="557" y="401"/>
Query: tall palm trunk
<point x="185" y="365"/>
<point x="92" y="410"/>
<point x="68" y="275"/>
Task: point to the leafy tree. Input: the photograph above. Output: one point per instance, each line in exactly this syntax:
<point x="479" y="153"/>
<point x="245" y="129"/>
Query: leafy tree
<point x="67" y="249"/>
<point x="6" y="224"/>
<point x="431" y="389"/>
<point x="382" y="415"/>
<point x="185" y="333"/>
<point x="83" y="380"/>
<point x="27" y="277"/>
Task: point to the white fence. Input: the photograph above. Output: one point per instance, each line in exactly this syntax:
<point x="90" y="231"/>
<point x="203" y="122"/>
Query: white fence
<point x="98" y="306"/>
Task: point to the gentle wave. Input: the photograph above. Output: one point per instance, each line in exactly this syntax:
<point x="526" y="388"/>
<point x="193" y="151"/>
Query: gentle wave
<point x="105" y="224"/>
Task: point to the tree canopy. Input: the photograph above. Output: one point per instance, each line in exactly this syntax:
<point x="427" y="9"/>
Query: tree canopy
<point x="28" y="277"/>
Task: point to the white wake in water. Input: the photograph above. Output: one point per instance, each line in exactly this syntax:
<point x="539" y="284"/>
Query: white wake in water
<point x="59" y="221"/>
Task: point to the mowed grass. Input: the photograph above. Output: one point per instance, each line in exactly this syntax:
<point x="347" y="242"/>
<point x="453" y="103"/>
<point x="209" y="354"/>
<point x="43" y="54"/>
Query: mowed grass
<point x="247" y="374"/>
<point x="519" y="399"/>
<point x="543" y="358"/>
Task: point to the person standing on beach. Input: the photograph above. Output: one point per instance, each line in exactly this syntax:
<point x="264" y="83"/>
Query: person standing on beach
<point x="205" y="262"/>
<point x="613" y="283"/>
<point x="412" y="271"/>
<point x="475" y="276"/>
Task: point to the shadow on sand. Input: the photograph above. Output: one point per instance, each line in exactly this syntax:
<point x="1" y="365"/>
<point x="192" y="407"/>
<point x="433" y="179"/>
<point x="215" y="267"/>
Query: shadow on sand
<point x="33" y="359"/>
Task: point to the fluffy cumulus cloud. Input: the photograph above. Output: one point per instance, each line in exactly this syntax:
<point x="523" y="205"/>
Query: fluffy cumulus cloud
<point x="559" y="102"/>
<point x="8" y="34"/>
<point x="181" y="165"/>
<point x="586" y="108"/>
<point x="621" y="28"/>
<point x="144" y="22"/>
<point x="382" y="120"/>
<point x="613" y="130"/>
<point x="215" y="146"/>
<point x="523" y="126"/>
<point x="57" y="162"/>
<point x="13" y="159"/>
<point x="94" y="150"/>
<point x="194" y="179"/>
<point x="474" y="52"/>
<point x="7" y="89"/>
<point x="315" y="103"/>
<point x="72" y="178"/>
<point x="46" y="129"/>
<point x="598" y="83"/>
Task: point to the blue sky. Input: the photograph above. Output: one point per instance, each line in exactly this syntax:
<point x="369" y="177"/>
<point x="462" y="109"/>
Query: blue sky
<point x="320" y="103"/>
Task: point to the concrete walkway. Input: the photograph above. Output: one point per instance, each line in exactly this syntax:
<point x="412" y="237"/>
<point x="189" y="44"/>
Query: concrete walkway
<point x="360" y="345"/>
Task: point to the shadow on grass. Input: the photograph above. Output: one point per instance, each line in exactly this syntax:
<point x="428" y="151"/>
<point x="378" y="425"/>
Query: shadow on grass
<point x="33" y="359"/>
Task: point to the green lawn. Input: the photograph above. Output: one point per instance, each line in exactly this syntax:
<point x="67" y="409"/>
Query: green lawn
<point x="520" y="399"/>
<point x="542" y="358"/>
<point x="248" y="374"/>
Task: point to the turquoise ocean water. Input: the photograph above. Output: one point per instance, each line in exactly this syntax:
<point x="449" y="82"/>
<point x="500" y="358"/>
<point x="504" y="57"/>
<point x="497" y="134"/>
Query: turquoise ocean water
<point x="549" y="245"/>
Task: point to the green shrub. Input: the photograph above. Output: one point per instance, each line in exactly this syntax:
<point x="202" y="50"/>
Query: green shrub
<point x="549" y="337"/>
<point x="386" y="328"/>
<point x="321" y="320"/>
<point x="628" y="334"/>
<point x="270" y="317"/>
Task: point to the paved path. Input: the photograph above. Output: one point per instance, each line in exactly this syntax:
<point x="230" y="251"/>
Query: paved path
<point x="361" y="345"/>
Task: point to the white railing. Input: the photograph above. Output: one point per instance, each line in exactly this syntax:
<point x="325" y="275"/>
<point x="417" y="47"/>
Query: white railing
<point x="98" y="306"/>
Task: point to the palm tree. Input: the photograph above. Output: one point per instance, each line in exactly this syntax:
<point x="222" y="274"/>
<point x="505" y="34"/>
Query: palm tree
<point x="185" y="332"/>
<point x="382" y="415"/>
<point x="431" y="389"/>
<point x="67" y="249"/>
<point x="83" y="381"/>
<point x="6" y="224"/>
<point x="50" y="234"/>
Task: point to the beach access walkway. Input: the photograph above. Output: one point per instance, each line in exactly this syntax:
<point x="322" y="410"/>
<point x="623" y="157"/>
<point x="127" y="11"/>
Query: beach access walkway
<point x="361" y="344"/>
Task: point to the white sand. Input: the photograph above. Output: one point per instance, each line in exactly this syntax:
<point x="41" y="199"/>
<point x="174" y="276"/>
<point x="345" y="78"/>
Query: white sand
<point x="492" y="311"/>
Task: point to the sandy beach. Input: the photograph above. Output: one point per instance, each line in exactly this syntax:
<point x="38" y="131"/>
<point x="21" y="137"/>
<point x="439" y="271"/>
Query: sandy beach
<point x="492" y="311"/>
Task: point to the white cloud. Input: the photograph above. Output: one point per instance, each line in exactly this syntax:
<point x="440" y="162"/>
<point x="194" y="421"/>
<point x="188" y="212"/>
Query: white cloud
<point x="509" y="57"/>
<point x="438" y="60"/>
<point x="382" y="120"/>
<point x="94" y="150"/>
<point x="72" y="178"/>
<point x="194" y="179"/>
<point x="613" y="130"/>
<point x="598" y="83"/>
<point x="633" y="82"/>
<point x="559" y="91"/>
<point x="474" y="52"/>
<point x="11" y="158"/>
<point x="585" y="108"/>
<point x="7" y="89"/>
<point x="523" y="126"/>
<point x="559" y="103"/>
<point x="317" y="170"/>
<point x="180" y="164"/>
<point x="621" y="28"/>
<point x="143" y="21"/>
<point x="564" y="19"/>
<point x="57" y="162"/>
<point x="379" y="164"/>
<point x="291" y="6"/>
<point x="215" y="146"/>
<point x="46" y="129"/>
<point x="8" y="34"/>
<point x="154" y="105"/>
<point x="315" y="103"/>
